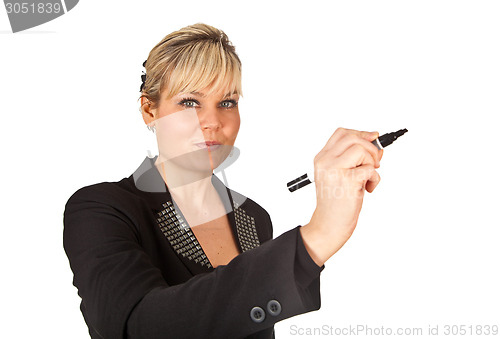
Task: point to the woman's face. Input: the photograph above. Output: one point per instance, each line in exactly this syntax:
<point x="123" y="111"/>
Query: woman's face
<point x="196" y="131"/>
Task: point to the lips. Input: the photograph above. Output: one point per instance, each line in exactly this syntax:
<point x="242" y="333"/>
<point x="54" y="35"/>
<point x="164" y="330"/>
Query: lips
<point x="211" y="145"/>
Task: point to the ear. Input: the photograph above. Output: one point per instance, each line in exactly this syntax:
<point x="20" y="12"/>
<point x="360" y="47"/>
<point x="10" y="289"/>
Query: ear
<point x="148" y="114"/>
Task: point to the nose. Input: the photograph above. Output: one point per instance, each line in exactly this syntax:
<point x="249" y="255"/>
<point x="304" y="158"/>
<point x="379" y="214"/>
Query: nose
<point x="209" y="119"/>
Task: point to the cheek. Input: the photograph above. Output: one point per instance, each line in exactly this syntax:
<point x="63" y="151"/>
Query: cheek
<point x="233" y="126"/>
<point x="175" y="132"/>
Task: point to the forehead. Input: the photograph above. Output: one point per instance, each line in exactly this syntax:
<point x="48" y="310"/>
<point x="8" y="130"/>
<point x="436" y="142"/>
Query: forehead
<point x="205" y="80"/>
<point x="204" y="93"/>
<point x="221" y="91"/>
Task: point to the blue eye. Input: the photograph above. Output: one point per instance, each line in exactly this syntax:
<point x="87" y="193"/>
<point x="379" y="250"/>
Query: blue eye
<point x="189" y="102"/>
<point x="229" y="104"/>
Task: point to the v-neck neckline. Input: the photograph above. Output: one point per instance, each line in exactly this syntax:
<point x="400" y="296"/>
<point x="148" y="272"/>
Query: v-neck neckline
<point x="228" y="203"/>
<point x="152" y="187"/>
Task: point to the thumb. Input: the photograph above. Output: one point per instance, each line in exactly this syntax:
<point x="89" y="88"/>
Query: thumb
<point x="370" y="136"/>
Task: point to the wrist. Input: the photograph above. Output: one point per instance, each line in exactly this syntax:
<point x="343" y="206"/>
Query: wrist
<point x="321" y="241"/>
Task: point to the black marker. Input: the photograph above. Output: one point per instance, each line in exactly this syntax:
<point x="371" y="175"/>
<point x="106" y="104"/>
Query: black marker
<point x="381" y="142"/>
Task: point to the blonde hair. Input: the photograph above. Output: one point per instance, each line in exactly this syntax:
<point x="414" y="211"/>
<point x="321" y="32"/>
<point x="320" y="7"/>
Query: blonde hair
<point x="191" y="59"/>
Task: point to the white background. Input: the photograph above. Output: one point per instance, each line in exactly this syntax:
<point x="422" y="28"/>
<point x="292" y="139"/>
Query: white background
<point x="425" y="251"/>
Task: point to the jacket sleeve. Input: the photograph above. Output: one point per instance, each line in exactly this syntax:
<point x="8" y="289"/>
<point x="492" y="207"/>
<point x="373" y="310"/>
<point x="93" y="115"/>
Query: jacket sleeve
<point x="125" y="296"/>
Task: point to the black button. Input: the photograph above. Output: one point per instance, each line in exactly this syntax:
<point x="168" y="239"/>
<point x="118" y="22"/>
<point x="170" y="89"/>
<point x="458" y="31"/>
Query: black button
<point x="274" y="307"/>
<point x="257" y="314"/>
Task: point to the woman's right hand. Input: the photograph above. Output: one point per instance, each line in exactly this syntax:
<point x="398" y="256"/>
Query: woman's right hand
<point x="343" y="170"/>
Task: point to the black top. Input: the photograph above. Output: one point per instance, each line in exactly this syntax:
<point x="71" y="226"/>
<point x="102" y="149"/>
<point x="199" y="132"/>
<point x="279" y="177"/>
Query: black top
<point x="141" y="272"/>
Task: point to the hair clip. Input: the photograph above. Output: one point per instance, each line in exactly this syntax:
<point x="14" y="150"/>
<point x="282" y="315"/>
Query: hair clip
<point x="143" y="76"/>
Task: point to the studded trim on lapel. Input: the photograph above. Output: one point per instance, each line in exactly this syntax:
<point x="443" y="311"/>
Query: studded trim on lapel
<point x="245" y="228"/>
<point x="179" y="234"/>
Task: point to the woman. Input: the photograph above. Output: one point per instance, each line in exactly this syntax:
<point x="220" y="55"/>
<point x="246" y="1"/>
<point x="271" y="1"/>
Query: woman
<point x="170" y="252"/>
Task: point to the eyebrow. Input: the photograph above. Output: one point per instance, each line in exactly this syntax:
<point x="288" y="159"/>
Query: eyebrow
<point x="197" y="93"/>
<point x="203" y="95"/>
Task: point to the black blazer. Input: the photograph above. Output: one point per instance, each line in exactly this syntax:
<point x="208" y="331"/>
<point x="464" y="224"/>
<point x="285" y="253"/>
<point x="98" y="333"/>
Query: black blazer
<point x="141" y="273"/>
